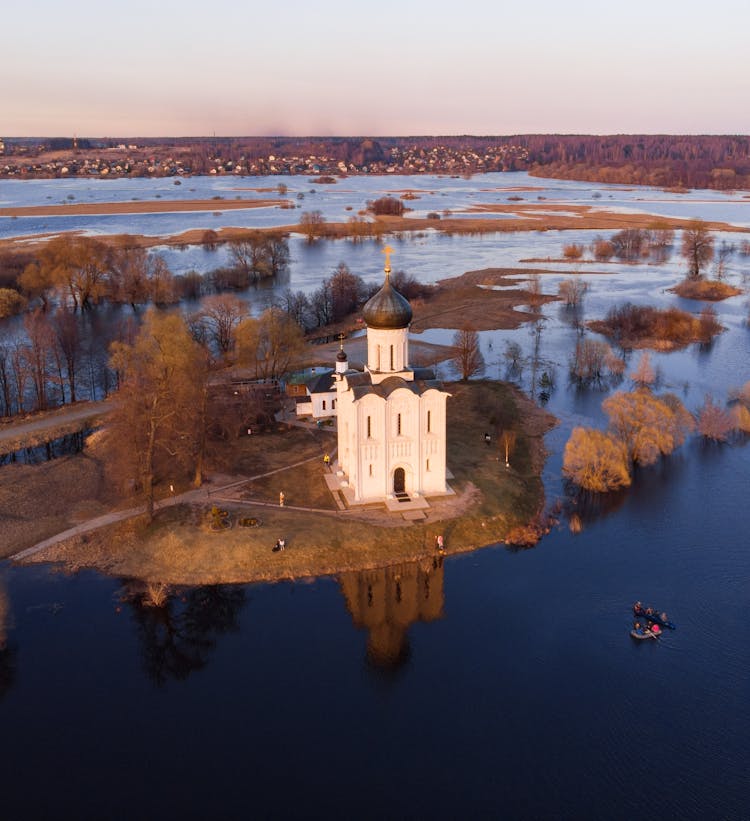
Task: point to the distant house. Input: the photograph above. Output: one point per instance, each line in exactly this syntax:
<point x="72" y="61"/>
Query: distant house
<point x="319" y="398"/>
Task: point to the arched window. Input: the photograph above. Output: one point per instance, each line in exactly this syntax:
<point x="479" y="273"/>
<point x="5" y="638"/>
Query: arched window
<point x="369" y="427"/>
<point x="392" y="368"/>
<point x="398" y="424"/>
<point x="429" y="421"/>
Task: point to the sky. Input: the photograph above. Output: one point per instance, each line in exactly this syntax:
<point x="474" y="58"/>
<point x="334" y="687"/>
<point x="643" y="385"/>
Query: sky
<point x="394" y="67"/>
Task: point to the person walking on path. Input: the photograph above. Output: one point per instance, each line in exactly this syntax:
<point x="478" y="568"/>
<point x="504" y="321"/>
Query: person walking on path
<point x="282" y="498"/>
<point x="327" y="461"/>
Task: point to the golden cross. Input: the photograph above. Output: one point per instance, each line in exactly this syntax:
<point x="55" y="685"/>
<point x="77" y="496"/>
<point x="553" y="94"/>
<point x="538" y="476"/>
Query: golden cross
<point x="387" y="251"/>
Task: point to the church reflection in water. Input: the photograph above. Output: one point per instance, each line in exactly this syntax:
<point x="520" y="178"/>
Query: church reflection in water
<point x="387" y="601"/>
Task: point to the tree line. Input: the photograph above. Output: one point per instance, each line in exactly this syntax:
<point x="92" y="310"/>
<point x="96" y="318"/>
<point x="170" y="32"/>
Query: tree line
<point x="705" y="161"/>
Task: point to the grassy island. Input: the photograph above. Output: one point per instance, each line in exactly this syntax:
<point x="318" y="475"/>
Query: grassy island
<point x="643" y="326"/>
<point x="492" y="503"/>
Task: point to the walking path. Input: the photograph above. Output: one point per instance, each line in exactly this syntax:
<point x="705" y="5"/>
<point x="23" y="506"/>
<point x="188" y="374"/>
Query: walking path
<point x="19" y="432"/>
<point x="203" y="494"/>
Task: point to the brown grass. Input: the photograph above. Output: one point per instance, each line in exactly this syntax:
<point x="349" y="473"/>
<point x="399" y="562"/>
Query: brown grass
<point x="176" y="548"/>
<point x="38" y="501"/>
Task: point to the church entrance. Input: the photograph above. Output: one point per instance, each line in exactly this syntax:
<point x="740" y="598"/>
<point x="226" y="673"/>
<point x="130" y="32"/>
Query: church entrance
<point x="399" y="482"/>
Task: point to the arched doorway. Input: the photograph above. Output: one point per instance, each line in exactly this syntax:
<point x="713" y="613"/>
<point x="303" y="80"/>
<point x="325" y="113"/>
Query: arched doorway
<point x="399" y="481"/>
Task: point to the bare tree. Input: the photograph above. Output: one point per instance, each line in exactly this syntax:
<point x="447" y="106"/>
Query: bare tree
<point x="68" y="339"/>
<point x="572" y="291"/>
<point x="297" y="306"/>
<point x="77" y="265"/>
<point x="6" y="409"/>
<point x="271" y="344"/>
<point x="38" y="354"/>
<point x="221" y="313"/>
<point x="590" y="360"/>
<point x="723" y="255"/>
<point x="534" y="290"/>
<point x="129" y="275"/>
<point x="162" y="284"/>
<point x="697" y="247"/>
<point x="346" y="292"/>
<point x="468" y="355"/>
<point x="644" y="375"/>
<point x="714" y="421"/>
<point x="311" y="223"/>
<point x="155" y="427"/>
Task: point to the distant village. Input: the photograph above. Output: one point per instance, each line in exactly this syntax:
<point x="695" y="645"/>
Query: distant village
<point x="27" y="159"/>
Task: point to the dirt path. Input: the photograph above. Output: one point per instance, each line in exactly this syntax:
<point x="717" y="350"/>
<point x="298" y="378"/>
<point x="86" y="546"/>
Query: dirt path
<point x="206" y="494"/>
<point x="49" y="426"/>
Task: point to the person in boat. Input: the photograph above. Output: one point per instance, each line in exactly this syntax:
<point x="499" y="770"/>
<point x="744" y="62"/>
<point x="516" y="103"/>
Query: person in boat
<point x="638" y="629"/>
<point x="649" y="611"/>
<point x="664" y="618"/>
<point x="655" y="629"/>
<point x="637" y="607"/>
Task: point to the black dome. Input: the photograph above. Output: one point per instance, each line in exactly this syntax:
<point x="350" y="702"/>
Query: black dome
<point x="341" y="355"/>
<point x="388" y="309"/>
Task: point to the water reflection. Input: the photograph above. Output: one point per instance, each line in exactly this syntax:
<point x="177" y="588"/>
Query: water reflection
<point x="179" y="631"/>
<point x="388" y="600"/>
<point x="7" y="652"/>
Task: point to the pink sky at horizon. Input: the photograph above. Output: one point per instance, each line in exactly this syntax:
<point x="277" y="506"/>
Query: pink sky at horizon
<point x="417" y="68"/>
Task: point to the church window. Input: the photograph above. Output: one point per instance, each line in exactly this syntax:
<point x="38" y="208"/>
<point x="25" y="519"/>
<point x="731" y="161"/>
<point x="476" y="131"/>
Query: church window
<point x="369" y="427"/>
<point x="398" y="424"/>
<point x="324" y="404"/>
<point x="377" y="367"/>
<point x="427" y="468"/>
<point x="392" y="368"/>
<point x="370" y="470"/>
<point x="333" y="404"/>
<point x="429" y="421"/>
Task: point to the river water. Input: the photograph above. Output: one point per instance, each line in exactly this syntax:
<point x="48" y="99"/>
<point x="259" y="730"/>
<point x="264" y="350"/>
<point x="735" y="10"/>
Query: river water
<point x="500" y="683"/>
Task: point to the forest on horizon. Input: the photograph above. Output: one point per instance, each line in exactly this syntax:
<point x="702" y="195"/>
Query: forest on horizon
<point x="673" y="161"/>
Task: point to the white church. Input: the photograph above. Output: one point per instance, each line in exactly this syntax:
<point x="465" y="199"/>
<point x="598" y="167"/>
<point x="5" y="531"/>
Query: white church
<point x="391" y="417"/>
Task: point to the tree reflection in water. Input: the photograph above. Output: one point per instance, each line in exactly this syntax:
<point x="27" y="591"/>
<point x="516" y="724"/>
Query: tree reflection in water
<point x="386" y="601"/>
<point x="7" y="652"/>
<point x="178" y="631"/>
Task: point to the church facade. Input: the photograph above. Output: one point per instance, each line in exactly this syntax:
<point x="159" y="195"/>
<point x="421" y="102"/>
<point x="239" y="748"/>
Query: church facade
<point x="391" y="417"/>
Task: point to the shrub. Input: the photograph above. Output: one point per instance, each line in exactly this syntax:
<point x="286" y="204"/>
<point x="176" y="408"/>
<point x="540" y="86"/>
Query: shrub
<point x="603" y="250"/>
<point x="573" y="251"/>
<point x="707" y="289"/>
<point x="386" y="206"/>
<point x="596" y="461"/>
<point x="714" y="421"/>
<point x="11" y="302"/>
